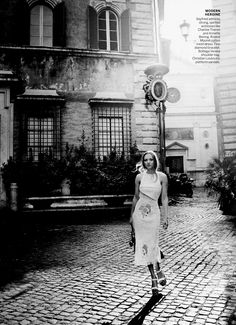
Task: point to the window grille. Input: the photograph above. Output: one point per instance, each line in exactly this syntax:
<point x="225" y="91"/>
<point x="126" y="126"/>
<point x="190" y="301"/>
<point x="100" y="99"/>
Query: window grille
<point x="42" y="134"/>
<point x="111" y="130"/>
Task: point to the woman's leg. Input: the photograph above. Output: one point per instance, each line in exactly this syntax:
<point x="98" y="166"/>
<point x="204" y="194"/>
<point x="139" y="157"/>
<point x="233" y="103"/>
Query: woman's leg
<point x="154" y="279"/>
<point x="160" y="275"/>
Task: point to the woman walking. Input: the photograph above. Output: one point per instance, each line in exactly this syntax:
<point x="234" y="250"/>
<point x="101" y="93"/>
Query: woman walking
<point x="145" y="216"/>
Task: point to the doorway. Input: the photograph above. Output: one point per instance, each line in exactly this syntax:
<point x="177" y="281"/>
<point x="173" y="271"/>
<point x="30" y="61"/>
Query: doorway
<point x="175" y="164"/>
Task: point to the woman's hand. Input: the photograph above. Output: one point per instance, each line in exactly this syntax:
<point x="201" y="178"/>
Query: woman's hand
<point x="165" y="224"/>
<point x="132" y="239"/>
<point x="131" y="223"/>
<point x="164" y="199"/>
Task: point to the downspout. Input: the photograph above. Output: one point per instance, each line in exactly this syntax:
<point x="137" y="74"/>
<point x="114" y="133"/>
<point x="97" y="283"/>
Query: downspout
<point x="157" y="38"/>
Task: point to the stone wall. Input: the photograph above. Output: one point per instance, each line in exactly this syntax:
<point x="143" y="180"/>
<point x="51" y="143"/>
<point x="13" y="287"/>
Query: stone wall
<point x="78" y="73"/>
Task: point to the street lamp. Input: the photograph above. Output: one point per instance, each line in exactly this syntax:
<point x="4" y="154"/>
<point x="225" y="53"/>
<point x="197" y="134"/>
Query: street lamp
<point x="184" y="28"/>
<point x="155" y="90"/>
<point x="156" y="93"/>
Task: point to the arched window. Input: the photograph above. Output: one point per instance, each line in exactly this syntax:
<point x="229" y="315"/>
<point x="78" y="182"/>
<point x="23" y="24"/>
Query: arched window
<point x="44" y="23"/>
<point x="41" y="26"/>
<point x="108" y="31"/>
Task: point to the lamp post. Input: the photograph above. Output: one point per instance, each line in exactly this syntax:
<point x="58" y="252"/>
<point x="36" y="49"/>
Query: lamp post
<point x="156" y="93"/>
<point x="184" y="28"/>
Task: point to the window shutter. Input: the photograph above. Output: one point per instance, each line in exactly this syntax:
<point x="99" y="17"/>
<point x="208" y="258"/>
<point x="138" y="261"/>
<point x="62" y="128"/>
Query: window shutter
<point x="92" y="28"/>
<point x="125" y="31"/>
<point x="59" y="25"/>
<point x="22" y="24"/>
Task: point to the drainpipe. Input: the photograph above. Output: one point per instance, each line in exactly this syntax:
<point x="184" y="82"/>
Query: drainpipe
<point x="157" y="21"/>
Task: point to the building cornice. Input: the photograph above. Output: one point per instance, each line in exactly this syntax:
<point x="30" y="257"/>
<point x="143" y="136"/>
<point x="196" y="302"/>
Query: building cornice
<point x="77" y="52"/>
<point x="192" y="114"/>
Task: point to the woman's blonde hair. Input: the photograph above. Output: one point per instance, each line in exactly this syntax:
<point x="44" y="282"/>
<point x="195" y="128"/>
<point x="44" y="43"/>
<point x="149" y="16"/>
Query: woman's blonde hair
<point x="140" y="166"/>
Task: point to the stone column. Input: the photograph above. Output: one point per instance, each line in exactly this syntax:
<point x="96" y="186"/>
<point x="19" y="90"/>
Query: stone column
<point x="3" y="196"/>
<point x="14" y="197"/>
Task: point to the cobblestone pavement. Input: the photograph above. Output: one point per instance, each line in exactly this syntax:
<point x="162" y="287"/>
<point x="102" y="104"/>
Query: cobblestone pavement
<point x="85" y="274"/>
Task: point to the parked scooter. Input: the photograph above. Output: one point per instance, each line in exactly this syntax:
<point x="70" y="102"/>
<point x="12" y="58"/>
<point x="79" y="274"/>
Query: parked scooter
<point x="181" y="184"/>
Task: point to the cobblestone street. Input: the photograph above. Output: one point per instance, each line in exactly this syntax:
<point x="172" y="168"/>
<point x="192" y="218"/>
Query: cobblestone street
<point x="84" y="273"/>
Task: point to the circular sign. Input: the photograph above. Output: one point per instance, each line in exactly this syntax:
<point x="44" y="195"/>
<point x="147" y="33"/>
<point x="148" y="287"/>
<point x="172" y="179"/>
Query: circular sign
<point x="158" y="89"/>
<point x="173" y="95"/>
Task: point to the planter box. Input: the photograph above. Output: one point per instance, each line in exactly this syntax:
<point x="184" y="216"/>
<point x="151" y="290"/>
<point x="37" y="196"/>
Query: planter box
<point x="116" y="200"/>
<point x="232" y="208"/>
<point x="69" y="201"/>
<point x="229" y="208"/>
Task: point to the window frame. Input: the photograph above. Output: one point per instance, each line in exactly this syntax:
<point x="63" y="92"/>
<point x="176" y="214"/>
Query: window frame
<point x="42" y="26"/>
<point x="36" y="143"/>
<point x="123" y="28"/>
<point x="111" y="111"/>
<point x="108" y="30"/>
<point x="109" y="136"/>
<point x="33" y="109"/>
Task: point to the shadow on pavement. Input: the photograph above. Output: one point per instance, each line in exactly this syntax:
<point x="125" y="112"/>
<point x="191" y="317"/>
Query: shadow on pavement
<point x="22" y="244"/>
<point x="30" y="242"/>
<point x="145" y="310"/>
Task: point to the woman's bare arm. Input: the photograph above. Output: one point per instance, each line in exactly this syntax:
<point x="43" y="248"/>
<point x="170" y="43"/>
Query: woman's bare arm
<point x="164" y="199"/>
<point x="135" y="198"/>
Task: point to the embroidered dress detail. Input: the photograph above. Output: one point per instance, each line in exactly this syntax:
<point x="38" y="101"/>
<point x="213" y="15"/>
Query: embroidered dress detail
<point x="146" y="218"/>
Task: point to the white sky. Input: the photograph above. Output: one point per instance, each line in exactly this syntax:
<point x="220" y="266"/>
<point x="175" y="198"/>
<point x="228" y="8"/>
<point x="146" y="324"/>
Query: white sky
<point x="178" y="10"/>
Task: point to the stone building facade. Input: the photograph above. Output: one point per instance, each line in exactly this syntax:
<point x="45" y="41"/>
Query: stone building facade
<point x="69" y="67"/>
<point x="191" y="123"/>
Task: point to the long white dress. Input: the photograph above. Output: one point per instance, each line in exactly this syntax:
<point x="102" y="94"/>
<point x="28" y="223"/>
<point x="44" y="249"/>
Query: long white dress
<point x="146" y="221"/>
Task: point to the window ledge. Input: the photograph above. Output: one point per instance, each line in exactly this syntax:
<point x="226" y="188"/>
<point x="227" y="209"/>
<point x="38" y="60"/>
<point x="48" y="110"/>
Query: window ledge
<point x="40" y="94"/>
<point x="111" y="97"/>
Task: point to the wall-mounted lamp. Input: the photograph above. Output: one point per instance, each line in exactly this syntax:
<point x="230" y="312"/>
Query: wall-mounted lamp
<point x="184" y="28"/>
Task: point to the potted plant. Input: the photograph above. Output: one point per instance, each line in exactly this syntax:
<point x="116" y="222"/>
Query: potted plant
<point x="77" y="172"/>
<point x="221" y="179"/>
<point x="118" y="175"/>
<point x="10" y="171"/>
